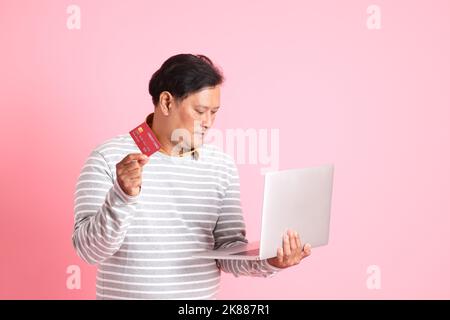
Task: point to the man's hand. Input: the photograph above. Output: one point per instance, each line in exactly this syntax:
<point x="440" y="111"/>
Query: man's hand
<point x="129" y="173"/>
<point x="292" y="251"/>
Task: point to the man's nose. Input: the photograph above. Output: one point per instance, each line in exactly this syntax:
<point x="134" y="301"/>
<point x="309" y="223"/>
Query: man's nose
<point x="206" y="123"/>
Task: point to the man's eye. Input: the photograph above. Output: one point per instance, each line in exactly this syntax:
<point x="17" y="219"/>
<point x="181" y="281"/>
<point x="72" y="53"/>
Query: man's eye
<point x="200" y="112"/>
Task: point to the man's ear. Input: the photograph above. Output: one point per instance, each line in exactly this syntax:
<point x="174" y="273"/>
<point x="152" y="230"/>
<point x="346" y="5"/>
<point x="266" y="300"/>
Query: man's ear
<point x="166" y="102"/>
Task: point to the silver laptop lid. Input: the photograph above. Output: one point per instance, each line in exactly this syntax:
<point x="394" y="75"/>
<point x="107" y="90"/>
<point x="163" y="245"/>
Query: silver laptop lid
<point x="298" y="199"/>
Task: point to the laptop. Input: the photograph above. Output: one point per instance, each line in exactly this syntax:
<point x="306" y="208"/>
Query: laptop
<point x="296" y="199"/>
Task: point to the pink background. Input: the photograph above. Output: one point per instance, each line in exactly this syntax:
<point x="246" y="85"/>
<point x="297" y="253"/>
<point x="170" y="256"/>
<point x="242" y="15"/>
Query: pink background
<point x="376" y="103"/>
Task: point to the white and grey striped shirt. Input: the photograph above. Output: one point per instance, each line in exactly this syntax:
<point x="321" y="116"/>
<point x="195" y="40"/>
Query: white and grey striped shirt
<point x="143" y="244"/>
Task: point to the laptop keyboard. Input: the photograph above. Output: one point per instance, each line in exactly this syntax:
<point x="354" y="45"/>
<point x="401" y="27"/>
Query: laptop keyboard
<point x="254" y="252"/>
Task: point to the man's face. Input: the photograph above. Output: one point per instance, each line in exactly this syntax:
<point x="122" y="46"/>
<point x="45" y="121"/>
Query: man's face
<point x="196" y="114"/>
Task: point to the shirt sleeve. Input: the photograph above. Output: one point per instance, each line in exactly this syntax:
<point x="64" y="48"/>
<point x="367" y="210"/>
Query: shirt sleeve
<point x="230" y="231"/>
<point x="103" y="211"/>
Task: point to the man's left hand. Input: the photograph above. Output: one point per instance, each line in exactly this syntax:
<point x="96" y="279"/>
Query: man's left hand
<point x="291" y="253"/>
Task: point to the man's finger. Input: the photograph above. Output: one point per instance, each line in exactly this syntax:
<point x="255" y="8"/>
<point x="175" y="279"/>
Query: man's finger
<point x="133" y="156"/>
<point x="132" y="165"/>
<point x="135" y="182"/>
<point x="292" y="241"/>
<point x="280" y="255"/>
<point x="306" y="250"/>
<point x="286" y="246"/>
<point x="142" y="162"/>
<point x="136" y="163"/>
<point x="134" y="175"/>
<point x="297" y="240"/>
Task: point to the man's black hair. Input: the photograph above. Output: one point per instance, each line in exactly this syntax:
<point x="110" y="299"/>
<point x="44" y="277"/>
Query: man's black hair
<point x="184" y="74"/>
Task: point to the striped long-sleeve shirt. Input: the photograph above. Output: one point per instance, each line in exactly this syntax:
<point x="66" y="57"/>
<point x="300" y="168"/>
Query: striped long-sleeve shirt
<point x="143" y="244"/>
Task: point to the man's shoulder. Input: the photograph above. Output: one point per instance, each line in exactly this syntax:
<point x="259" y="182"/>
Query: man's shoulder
<point x="122" y="143"/>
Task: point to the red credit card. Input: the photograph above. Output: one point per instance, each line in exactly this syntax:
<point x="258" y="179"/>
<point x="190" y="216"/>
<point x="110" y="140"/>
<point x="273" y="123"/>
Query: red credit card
<point x="145" y="139"/>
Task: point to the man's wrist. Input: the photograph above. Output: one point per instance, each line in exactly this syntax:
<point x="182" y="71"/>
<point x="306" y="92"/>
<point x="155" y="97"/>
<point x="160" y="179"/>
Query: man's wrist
<point x="271" y="266"/>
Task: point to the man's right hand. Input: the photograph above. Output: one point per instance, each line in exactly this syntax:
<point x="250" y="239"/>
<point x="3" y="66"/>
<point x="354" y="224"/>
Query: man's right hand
<point x="129" y="173"/>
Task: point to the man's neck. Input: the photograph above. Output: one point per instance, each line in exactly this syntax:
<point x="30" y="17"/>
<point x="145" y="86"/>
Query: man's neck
<point x="167" y="147"/>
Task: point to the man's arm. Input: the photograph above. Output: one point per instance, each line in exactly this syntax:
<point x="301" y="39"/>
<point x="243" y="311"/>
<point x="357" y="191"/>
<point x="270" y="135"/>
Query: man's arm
<point x="103" y="211"/>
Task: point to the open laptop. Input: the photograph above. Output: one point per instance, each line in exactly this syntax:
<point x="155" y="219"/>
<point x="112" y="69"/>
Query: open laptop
<point x="296" y="199"/>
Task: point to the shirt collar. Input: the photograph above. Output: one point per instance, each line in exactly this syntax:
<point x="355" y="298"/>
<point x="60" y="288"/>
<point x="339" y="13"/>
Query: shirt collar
<point x="195" y="152"/>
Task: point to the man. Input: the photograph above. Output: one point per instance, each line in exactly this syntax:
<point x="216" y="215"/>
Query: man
<point x="140" y="219"/>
